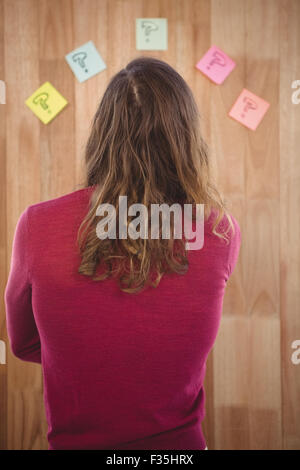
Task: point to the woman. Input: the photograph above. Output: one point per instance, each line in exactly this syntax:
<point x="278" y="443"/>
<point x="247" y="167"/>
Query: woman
<point x="123" y="326"/>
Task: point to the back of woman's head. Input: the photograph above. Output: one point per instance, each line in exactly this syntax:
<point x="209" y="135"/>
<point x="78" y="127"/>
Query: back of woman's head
<point x="145" y="143"/>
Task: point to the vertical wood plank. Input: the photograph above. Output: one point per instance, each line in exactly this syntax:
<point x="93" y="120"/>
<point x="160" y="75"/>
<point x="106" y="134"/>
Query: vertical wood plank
<point x="200" y="18"/>
<point x="57" y="145"/>
<point x="289" y="218"/>
<point x="261" y="271"/>
<point x="230" y="356"/>
<point x="25" y="405"/>
<point x="90" y="23"/>
<point x="3" y="272"/>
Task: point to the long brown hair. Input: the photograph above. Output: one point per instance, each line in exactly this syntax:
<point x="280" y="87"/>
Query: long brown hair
<point x="145" y="143"/>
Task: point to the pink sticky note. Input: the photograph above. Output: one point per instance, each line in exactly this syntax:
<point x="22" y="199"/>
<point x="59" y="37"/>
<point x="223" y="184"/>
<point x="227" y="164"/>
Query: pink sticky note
<point x="216" y="65"/>
<point x="249" y="109"/>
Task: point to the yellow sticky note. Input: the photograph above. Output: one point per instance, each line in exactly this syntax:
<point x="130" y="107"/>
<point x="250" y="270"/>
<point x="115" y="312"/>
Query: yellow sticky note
<point x="46" y="102"/>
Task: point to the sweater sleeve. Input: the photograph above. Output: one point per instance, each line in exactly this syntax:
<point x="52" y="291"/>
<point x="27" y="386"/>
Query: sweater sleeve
<point x="22" y="332"/>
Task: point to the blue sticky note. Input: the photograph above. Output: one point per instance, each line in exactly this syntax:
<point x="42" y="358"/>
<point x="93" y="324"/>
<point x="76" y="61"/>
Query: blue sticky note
<point x="85" y="61"/>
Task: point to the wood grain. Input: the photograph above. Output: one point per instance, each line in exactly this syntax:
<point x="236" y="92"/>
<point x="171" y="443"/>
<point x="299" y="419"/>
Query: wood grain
<point x="252" y="387"/>
<point x="3" y="247"/>
<point x="289" y="220"/>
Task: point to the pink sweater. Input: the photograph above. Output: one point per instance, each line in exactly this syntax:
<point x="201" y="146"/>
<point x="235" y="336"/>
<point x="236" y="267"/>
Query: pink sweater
<point x="120" y="371"/>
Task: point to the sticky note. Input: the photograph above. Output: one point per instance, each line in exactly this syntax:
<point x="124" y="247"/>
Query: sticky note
<point x="216" y="65"/>
<point x="85" y="61"/>
<point x="151" y="34"/>
<point x="249" y="109"/>
<point x="46" y="102"/>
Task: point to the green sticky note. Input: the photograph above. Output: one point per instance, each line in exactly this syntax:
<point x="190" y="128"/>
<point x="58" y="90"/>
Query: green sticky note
<point x="151" y="34"/>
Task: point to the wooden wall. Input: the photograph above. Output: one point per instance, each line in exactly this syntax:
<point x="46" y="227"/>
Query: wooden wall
<point x="252" y="386"/>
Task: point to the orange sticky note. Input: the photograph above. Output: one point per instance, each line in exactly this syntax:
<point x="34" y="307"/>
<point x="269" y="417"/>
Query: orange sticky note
<point x="249" y="109"/>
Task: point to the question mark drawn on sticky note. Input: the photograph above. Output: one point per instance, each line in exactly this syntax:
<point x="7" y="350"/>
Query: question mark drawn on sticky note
<point x="80" y="57"/>
<point x="216" y="65"/>
<point x="149" y="26"/>
<point x="46" y="102"/>
<point x="151" y="34"/>
<point x="41" y="99"/>
<point x="249" y="104"/>
<point x="249" y="109"/>
<point x="85" y="61"/>
<point x="217" y="58"/>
